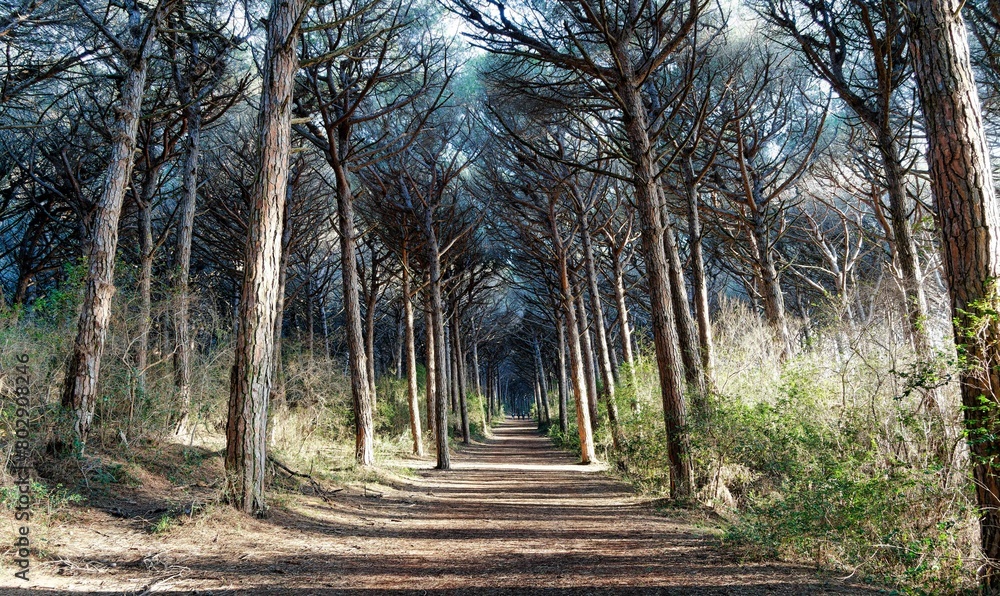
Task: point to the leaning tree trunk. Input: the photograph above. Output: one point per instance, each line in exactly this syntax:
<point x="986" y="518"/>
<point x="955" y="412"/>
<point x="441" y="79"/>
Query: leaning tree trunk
<point x="364" y="406"/>
<point x="668" y="359"/>
<point x="400" y="340"/>
<point x="603" y="357"/>
<point x="246" y="427"/>
<point x="278" y="392"/>
<point x="963" y="187"/>
<point x="449" y="352"/>
<point x="80" y="391"/>
<point x="687" y="336"/>
<point x="411" y="359"/>
<point x="543" y="385"/>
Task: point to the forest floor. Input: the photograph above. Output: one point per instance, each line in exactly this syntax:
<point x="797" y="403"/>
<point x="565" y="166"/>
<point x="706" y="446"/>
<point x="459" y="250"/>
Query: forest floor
<point x="513" y="516"/>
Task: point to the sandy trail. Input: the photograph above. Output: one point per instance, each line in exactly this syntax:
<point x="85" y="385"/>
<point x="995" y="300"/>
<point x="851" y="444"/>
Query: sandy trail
<point x="513" y="516"/>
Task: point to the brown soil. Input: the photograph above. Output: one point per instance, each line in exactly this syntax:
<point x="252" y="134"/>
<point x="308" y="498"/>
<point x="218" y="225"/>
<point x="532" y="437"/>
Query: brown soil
<point x="513" y="516"/>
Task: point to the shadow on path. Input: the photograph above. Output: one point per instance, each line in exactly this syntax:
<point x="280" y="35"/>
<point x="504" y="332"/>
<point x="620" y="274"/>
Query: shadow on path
<point x="514" y="516"/>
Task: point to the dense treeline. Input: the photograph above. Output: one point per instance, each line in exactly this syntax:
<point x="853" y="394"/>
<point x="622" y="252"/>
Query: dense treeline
<point x="745" y="253"/>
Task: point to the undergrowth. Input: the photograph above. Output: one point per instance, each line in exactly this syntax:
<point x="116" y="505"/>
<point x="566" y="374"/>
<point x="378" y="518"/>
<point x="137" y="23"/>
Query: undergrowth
<point x="830" y="457"/>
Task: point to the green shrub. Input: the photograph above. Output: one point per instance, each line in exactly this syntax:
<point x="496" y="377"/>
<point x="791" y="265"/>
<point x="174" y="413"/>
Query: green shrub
<point x="827" y="456"/>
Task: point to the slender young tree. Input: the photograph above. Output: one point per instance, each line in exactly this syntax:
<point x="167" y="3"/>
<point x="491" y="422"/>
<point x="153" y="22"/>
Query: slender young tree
<point x="411" y="352"/>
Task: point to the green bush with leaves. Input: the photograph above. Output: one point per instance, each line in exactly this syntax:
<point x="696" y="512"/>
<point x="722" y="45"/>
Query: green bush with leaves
<point x="830" y="456"/>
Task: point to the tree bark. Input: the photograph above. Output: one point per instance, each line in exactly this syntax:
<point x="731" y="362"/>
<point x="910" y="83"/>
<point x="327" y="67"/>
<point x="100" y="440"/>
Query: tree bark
<point x="437" y="315"/>
<point x="80" y="390"/>
<point x="597" y="308"/>
<point x="475" y="365"/>
<point x="458" y="358"/>
<point x="449" y="331"/>
<point x="584" y="427"/>
<point x="699" y="281"/>
<point x="563" y="381"/>
<point x="431" y="381"/>
<point x="145" y="276"/>
<point x="400" y="340"/>
<point x="543" y="385"/>
<point x="687" y="336"/>
<point x="770" y="285"/>
<point x="246" y="427"/>
<point x="411" y="358"/>
<point x="185" y="234"/>
<point x="962" y="184"/>
<point x="278" y="403"/>
<point x="587" y="356"/>
<point x="364" y="405"/>
<point x="906" y="250"/>
<point x="370" y="304"/>
<point x="625" y="329"/>
<point x="668" y="359"/>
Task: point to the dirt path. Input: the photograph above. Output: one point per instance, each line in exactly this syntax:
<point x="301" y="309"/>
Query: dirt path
<point x="514" y="516"/>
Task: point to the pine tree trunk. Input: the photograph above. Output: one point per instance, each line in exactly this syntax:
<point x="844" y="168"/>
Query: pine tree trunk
<point x="370" y="305"/>
<point x="145" y="277"/>
<point x="431" y="359"/>
<point x="543" y="385"/>
<point x="411" y="358"/>
<point x="246" y="427"/>
<point x="80" y="390"/>
<point x="185" y="234"/>
<point x="587" y="356"/>
<point x="563" y="390"/>
<point x="603" y="356"/>
<point x="278" y="391"/>
<point x="698" y="278"/>
<point x="668" y="359"/>
<point x="770" y="286"/>
<point x="397" y="367"/>
<point x="687" y="336"/>
<point x="539" y="367"/>
<point x="449" y="331"/>
<point x="906" y="250"/>
<point x="364" y="405"/>
<point x="963" y="187"/>
<point x="437" y="316"/>
<point x="625" y="329"/>
<point x="475" y="364"/>
<point x="457" y="358"/>
<point x="584" y="427"/>
<point x="538" y="402"/>
<point x="488" y="394"/>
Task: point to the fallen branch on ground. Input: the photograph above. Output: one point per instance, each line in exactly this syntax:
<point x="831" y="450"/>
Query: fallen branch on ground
<point x="322" y="492"/>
